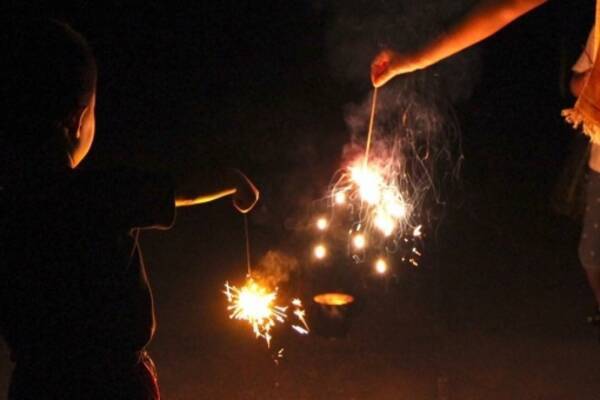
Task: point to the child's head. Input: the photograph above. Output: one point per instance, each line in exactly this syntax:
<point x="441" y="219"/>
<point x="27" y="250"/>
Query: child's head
<point x="48" y="87"/>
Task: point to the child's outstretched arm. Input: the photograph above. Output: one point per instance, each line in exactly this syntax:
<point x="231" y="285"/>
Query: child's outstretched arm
<point x="486" y="18"/>
<point x="215" y="185"/>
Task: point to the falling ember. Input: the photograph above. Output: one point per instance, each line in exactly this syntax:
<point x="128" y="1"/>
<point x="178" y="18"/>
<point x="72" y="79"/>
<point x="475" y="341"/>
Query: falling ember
<point x="300" y="313"/>
<point x="320" y="251"/>
<point x="359" y="241"/>
<point x="339" y="198"/>
<point x="322" y="224"/>
<point x="255" y="304"/>
<point x="381" y="266"/>
<point x="417" y="231"/>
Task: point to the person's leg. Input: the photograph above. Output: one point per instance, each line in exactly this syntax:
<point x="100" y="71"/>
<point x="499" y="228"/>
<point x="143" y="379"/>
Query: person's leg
<point x="589" y="245"/>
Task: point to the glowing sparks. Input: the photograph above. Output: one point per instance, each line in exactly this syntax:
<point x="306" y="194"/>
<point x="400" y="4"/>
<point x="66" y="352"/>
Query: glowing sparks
<point x="381" y="266"/>
<point x="396" y="207"/>
<point x="320" y="251"/>
<point x="369" y="183"/>
<point x="359" y="241"/>
<point x="255" y="304"/>
<point x="385" y="224"/>
<point x="300" y="314"/>
<point x="322" y="224"/>
<point x="380" y="210"/>
<point x="339" y="198"/>
<point x="382" y="205"/>
<point x="417" y="231"/>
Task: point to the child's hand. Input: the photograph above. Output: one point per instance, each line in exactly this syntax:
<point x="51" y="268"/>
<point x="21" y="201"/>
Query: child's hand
<point x="246" y="194"/>
<point x="388" y="64"/>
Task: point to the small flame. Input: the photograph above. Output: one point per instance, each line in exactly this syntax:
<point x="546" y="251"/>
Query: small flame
<point x="333" y="299"/>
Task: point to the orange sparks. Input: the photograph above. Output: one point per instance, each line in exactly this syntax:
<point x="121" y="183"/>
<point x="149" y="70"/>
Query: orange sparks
<point x="255" y="304"/>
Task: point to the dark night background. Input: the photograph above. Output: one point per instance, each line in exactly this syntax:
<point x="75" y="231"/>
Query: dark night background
<point x="497" y="308"/>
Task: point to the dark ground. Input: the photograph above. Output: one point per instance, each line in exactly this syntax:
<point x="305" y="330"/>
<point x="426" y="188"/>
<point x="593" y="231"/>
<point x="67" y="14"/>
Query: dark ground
<point x="497" y="308"/>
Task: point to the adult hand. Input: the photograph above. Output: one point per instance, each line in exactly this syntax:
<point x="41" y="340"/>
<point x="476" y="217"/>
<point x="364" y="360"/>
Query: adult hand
<point x="246" y="194"/>
<point x="388" y="64"/>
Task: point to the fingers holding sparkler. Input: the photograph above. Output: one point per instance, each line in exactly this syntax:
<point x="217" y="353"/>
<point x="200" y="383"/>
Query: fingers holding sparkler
<point x="389" y="64"/>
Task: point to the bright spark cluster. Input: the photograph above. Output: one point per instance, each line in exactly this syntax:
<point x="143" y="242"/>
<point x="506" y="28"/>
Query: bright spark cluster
<point x="256" y="305"/>
<point x="381" y="213"/>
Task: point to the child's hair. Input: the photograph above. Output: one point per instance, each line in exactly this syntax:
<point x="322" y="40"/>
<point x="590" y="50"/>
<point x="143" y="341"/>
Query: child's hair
<point x="48" y="73"/>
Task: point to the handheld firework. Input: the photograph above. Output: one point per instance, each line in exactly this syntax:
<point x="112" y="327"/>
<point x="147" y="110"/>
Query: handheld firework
<point x="256" y="303"/>
<point x="370" y="205"/>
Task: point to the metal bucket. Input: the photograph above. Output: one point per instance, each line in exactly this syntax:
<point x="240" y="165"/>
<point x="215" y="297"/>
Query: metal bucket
<point x="331" y="314"/>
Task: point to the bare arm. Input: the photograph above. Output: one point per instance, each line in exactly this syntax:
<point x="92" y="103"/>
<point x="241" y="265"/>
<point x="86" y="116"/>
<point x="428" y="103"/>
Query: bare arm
<point x="186" y="201"/>
<point x="486" y="18"/>
<point x="216" y="184"/>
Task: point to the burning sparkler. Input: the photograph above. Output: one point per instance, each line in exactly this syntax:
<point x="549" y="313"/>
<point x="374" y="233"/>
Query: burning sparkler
<point x="255" y="304"/>
<point x="372" y="190"/>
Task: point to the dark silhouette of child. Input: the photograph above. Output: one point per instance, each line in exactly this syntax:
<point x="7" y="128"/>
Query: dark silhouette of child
<point x="76" y="308"/>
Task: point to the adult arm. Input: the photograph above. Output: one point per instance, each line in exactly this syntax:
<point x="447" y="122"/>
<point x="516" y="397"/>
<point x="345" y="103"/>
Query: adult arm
<point x="485" y="19"/>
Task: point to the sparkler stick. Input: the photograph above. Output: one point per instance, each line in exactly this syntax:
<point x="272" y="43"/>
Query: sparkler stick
<point x="371" y="122"/>
<point x="248" y="260"/>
